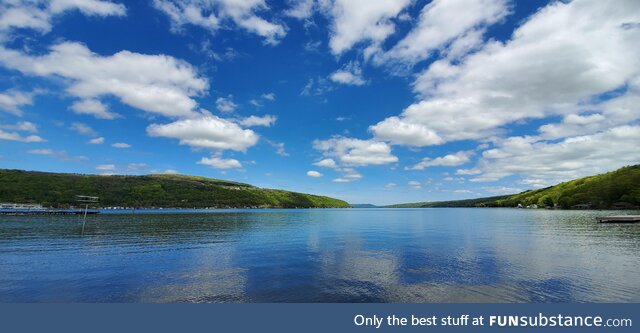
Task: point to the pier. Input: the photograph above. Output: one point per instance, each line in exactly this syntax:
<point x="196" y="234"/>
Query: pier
<point x="619" y="219"/>
<point x="47" y="212"/>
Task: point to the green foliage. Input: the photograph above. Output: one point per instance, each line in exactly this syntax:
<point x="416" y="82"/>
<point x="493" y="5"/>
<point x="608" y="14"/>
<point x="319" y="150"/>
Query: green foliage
<point x="617" y="189"/>
<point x="59" y="190"/>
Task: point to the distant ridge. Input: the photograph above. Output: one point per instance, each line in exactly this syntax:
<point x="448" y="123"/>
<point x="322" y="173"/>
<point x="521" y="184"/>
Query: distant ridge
<point x="58" y="190"/>
<point x="618" y="189"/>
<point x="364" y="206"/>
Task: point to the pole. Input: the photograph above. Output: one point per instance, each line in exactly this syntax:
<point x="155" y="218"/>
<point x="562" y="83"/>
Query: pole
<point x="84" y="220"/>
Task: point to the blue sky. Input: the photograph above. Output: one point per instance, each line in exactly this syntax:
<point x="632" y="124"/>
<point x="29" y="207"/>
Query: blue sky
<point x="380" y="102"/>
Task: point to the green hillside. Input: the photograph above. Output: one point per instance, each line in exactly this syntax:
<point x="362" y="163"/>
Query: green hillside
<point x="616" y="189"/>
<point x="480" y="202"/>
<point x="59" y="190"/>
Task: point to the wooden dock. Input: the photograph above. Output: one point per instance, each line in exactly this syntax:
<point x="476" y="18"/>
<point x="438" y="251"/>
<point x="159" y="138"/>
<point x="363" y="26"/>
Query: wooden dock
<point x="619" y="219"/>
<point x="47" y="212"/>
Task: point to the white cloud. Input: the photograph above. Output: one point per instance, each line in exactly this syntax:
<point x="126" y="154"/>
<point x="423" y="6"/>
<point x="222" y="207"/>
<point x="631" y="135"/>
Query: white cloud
<point x="390" y="185"/>
<point x="41" y="151"/>
<point x="266" y="120"/>
<point x="96" y="141"/>
<point x="456" y="159"/>
<point x="255" y="103"/>
<point x="562" y="56"/>
<point x="326" y="163"/>
<point x="355" y="152"/>
<point x="59" y="154"/>
<point x="38" y="14"/>
<point x="13" y="136"/>
<point x="136" y="167"/>
<point x="226" y="105"/>
<point x="542" y="163"/>
<point x="314" y="174"/>
<point x="12" y="100"/>
<point x="414" y="185"/>
<point x="82" y="129"/>
<point x="348" y="175"/>
<point x="317" y="87"/>
<point x="350" y="74"/>
<point x="153" y="83"/>
<point x="452" y="179"/>
<point x="212" y="15"/>
<point x="468" y="172"/>
<point x="23" y="126"/>
<point x="121" y="145"/>
<point x="106" y="167"/>
<point x="356" y="21"/>
<point x="269" y="96"/>
<point x="402" y="132"/>
<point x="93" y="107"/>
<point x="217" y="162"/>
<point x="301" y="9"/>
<point x="442" y="21"/>
<point x="206" y="132"/>
<point x="279" y="146"/>
<point x="503" y="189"/>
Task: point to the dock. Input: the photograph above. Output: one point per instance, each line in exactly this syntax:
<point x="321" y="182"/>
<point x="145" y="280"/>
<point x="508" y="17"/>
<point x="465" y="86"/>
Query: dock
<point x="47" y="212"/>
<point x="619" y="219"/>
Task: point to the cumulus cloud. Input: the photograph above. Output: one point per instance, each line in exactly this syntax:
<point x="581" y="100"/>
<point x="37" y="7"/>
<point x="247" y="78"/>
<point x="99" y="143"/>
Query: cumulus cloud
<point x="581" y="49"/>
<point x="12" y="100"/>
<point x="218" y="162"/>
<point x="468" y="172"/>
<point x="226" y="104"/>
<point x="82" y="129"/>
<point x="314" y="174"/>
<point x="106" y="167"/>
<point x="301" y="9"/>
<point x="356" y="21"/>
<point x="348" y="175"/>
<point x="543" y="163"/>
<point x="269" y="96"/>
<point x="14" y="136"/>
<point x="121" y="145"/>
<point x="444" y="21"/>
<point x="350" y="74"/>
<point x="154" y="83"/>
<point x="326" y="163"/>
<point x="213" y="15"/>
<point x="414" y="185"/>
<point x="22" y="126"/>
<point x="38" y="14"/>
<point x="96" y="141"/>
<point x="342" y="154"/>
<point x="456" y="159"/>
<point x="59" y="154"/>
<point x="93" y="107"/>
<point x="266" y="121"/>
<point x="356" y="152"/>
<point x="206" y="132"/>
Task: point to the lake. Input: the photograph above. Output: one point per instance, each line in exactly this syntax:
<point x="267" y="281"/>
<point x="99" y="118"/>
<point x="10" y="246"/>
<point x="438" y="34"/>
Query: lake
<point x="321" y="255"/>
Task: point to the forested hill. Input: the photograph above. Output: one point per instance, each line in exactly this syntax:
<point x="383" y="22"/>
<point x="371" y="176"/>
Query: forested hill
<point x="616" y="189"/>
<point x="59" y="190"/>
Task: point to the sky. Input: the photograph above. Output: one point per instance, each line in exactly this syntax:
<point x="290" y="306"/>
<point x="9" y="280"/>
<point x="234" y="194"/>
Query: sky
<point x="382" y="102"/>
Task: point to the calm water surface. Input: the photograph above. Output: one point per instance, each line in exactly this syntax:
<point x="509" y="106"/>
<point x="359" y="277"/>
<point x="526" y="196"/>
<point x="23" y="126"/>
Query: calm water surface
<point x="341" y="255"/>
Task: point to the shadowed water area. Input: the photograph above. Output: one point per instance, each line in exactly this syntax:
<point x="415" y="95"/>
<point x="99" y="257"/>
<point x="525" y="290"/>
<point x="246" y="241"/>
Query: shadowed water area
<point x="321" y="255"/>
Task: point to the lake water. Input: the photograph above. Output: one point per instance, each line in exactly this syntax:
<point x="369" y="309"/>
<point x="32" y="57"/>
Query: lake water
<point x="321" y="255"/>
